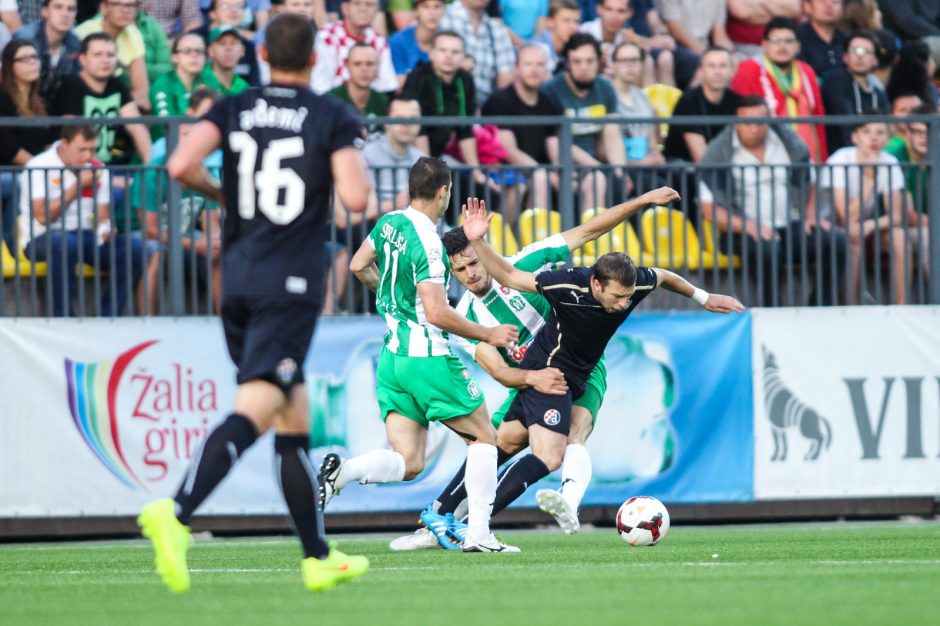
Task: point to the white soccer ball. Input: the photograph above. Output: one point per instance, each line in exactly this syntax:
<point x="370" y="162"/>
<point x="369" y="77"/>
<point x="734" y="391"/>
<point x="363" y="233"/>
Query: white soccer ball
<point x="642" y="521"/>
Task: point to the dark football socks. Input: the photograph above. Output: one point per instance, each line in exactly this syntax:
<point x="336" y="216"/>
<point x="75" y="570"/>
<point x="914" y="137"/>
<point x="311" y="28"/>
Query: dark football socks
<point x="525" y="472"/>
<point x="298" y="481"/>
<point x="212" y="463"/>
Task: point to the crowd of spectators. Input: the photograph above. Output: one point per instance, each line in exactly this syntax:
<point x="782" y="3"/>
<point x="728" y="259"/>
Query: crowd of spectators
<point x="585" y="59"/>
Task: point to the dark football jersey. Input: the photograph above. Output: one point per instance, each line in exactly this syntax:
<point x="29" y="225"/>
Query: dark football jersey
<point x="277" y="141"/>
<point x="578" y="328"/>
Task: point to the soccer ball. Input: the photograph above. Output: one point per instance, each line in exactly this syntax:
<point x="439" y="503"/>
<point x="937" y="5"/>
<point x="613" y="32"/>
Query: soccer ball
<point x="642" y="521"/>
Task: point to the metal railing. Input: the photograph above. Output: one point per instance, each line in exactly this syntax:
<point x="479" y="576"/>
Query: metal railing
<point x="170" y="273"/>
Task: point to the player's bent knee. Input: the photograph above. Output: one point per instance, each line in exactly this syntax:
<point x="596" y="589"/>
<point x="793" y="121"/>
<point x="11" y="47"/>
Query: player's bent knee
<point x="413" y="467"/>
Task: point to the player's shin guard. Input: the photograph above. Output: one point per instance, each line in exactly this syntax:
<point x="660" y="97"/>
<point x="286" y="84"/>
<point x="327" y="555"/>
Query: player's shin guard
<point x="575" y="474"/>
<point x="456" y="492"/>
<point x="377" y="466"/>
<point x="298" y="481"/>
<point x="481" y="487"/>
<point x="212" y="463"/>
<point x="525" y="472"/>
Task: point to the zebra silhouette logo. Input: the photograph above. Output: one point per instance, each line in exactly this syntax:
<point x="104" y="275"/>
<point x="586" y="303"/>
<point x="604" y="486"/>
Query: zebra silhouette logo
<point x="784" y="410"/>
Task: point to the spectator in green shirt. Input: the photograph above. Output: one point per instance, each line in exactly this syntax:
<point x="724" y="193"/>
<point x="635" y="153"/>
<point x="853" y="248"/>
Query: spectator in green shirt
<point x="363" y="64"/>
<point x="169" y="95"/>
<point x="912" y="153"/>
<point x="225" y="50"/>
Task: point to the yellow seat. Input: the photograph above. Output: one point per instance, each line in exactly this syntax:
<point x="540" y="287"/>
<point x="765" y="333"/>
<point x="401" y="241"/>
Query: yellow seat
<point x="670" y="239"/>
<point x="664" y="99"/>
<point x="711" y="256"/>
<point x="622" y="238"/>
<point x="25" y="267"/>
<point x="500" y="237"/>
<point x="538" y="224"/>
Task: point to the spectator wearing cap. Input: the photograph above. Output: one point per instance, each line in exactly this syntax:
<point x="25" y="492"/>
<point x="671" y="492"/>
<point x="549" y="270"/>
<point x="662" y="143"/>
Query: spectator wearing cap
<point x="117" y="19"/>
<point x="852" y="89"/>
<point x="411" y="45"/>
<point x="232" y="13"/>
<point x="57" y="45"/>
<point x="486" y="41"/>
<point x="336" y="39"/>
<point x="226" y="47"/>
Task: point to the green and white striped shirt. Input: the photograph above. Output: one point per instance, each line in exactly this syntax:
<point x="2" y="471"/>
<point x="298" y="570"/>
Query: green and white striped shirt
<point x="409" y="251"/>
<point x="502" y="305"/>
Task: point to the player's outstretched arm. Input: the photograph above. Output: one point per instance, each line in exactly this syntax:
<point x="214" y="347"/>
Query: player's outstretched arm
<point x="439" y="313"/>
<point x="363" y="265"/>
<point x="605" y="222"/>
<point x="548" y="380"/>
<point x="350" y="179"/>
<point x="714" y="302"/>
<point x="476" y="224"/>
<point x="185" y="164"/>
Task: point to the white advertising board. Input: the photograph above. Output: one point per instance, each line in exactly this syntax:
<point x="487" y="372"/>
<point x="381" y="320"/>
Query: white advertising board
<point x="846" y="402"/>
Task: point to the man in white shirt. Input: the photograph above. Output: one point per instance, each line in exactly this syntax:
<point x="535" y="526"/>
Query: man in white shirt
<point x="336" y="39"/>
<point x="763" y="208"/>
<point x="64" y="214"/>
<point x="869" y="198"/>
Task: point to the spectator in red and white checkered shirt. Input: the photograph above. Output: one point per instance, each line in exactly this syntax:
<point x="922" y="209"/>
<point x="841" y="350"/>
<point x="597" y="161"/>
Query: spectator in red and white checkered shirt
<point x="336" y="39"/>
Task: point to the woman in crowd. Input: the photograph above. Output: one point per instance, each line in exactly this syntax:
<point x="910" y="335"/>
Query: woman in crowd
<point x="169" y="95"/>
<point x="19" y="97"/>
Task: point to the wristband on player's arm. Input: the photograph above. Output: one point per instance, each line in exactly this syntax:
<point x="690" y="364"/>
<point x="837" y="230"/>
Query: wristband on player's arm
<point x="700" y="296"/>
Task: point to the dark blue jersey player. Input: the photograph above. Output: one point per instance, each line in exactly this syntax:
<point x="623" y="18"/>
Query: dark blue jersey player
<point x="284" y="150"/>
<point x="588" y="306"/>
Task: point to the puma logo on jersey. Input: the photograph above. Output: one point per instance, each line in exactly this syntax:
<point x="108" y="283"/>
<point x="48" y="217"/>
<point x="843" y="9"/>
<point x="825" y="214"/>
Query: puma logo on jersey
<point x="577" y="297"/>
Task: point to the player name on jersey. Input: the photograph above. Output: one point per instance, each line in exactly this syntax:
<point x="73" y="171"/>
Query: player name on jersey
<point x="394" y="238"/>
<point x="263" y="115"/>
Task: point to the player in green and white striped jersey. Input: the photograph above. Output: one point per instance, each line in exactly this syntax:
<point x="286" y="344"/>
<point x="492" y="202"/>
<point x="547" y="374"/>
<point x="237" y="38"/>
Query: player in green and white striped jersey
<point x="490" y="304"/>
<point x="419" y="378"/>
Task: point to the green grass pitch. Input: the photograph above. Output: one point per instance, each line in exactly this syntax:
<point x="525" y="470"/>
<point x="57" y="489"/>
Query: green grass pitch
<point x="886" y="573"/>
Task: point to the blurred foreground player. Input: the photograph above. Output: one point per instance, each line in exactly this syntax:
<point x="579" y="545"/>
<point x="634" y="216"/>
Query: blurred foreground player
<point x="283" y="148"/>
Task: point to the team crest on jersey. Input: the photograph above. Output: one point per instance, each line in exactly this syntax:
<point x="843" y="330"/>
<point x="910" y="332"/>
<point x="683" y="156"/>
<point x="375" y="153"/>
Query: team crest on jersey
<point x="286" y="370"/>
<point x="465" y="374"/>
<point x="434" y="255"/>
<point x="473" y="390"/>
<point x="505" y="290"/>
<point x="552" y="417"/>
<point x="517" y="303"/>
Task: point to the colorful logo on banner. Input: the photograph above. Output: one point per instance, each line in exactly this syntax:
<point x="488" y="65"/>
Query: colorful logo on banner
<point x="92" y="390"/>
<point x="141" y="422"/>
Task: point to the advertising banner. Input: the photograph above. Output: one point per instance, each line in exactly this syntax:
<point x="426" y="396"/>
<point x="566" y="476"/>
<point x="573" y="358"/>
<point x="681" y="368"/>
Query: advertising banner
<point x="102" y="416"/>
<point x="846" y="402"/>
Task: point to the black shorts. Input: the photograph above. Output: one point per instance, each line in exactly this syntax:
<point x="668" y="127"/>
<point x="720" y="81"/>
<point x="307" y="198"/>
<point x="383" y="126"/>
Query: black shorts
<point x="268" y="338"/>
<point x="548" y="411"/>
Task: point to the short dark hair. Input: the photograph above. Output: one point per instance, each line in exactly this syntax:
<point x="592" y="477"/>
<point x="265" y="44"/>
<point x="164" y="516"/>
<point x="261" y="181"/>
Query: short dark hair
<point x="403" y="97"/>
<point x="870" y="116"/>
<point x="579" y="40"/>
<point x="448" y="33"/>
<point x="455" y="241"/>
<point x="289" y="41"/>
<point x="714" y="49"/>
<point x="752" y="100"/>
<point x="93" y="37"/>
<point x="615" y="266"/>
<point x="201" y="94"/>
<point x="87" y="131"/>
<point x="779" y="22"/>
<point x="624" y="44"/>
<point x="867" y="35"/>
<point x="175" y="45"/>
<point x="427" y="175"/>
